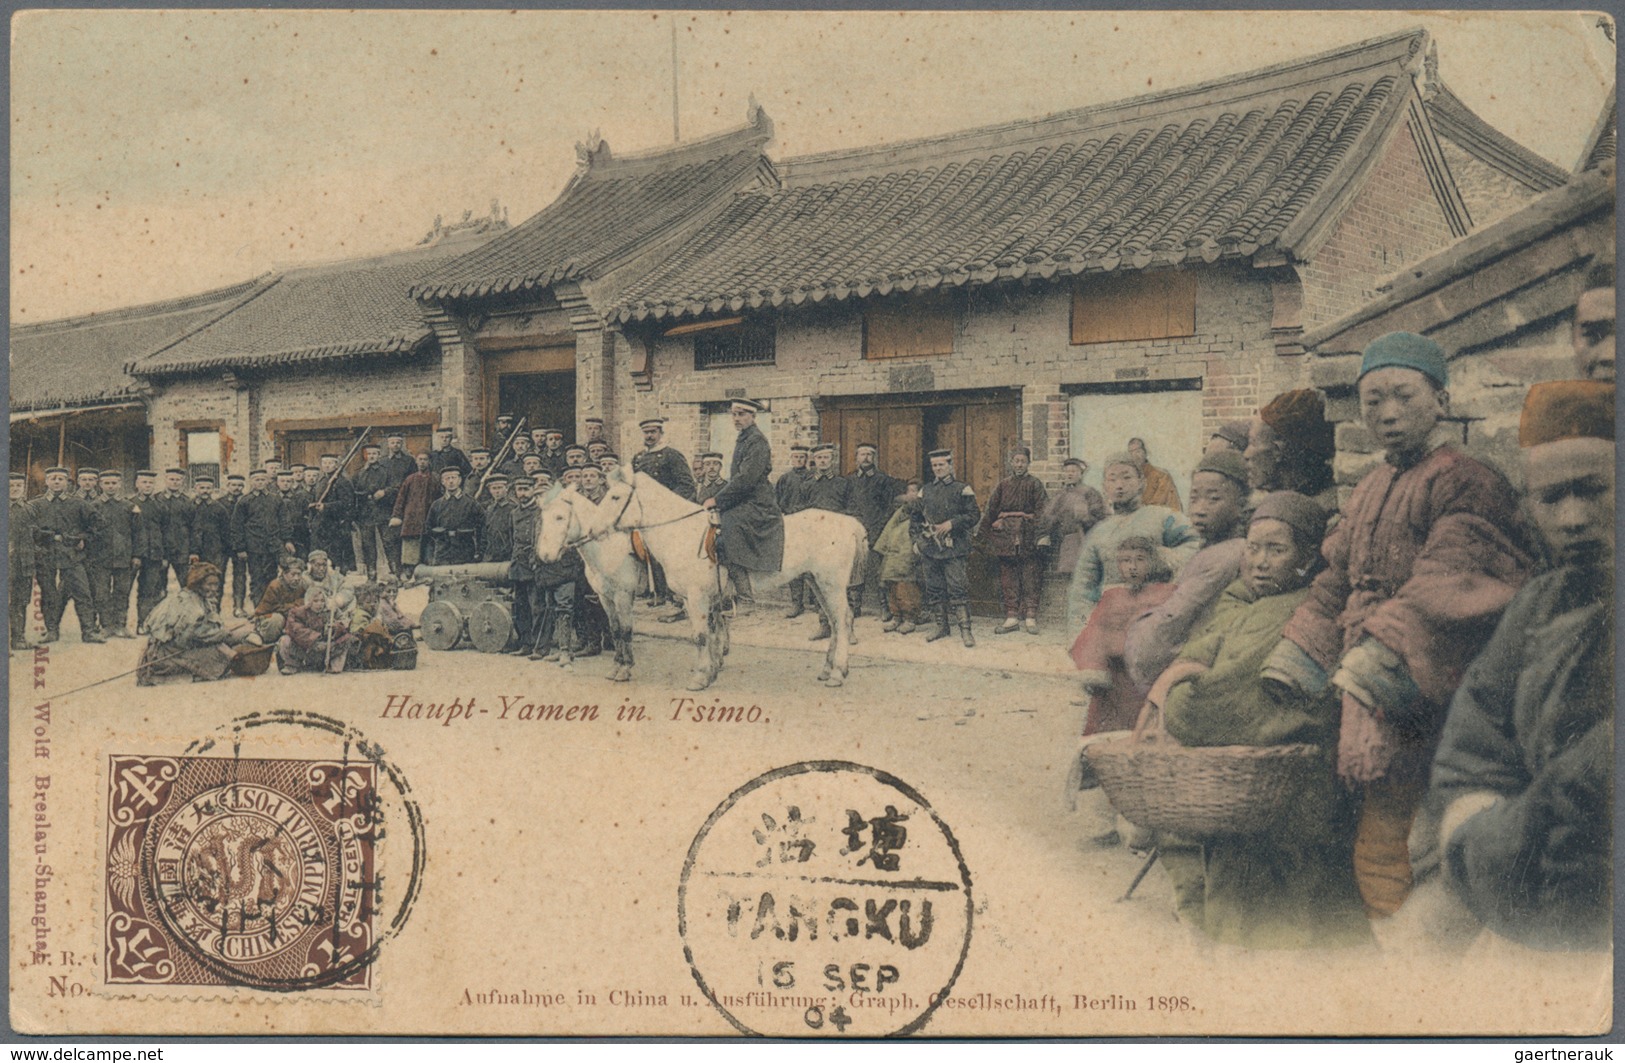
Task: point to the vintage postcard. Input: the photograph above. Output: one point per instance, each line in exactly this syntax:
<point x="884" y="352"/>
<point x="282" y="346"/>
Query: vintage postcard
<point x="865" y="524"/>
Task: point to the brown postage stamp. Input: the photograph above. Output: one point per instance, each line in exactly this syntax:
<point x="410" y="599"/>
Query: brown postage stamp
<point x="857" y="524"/>
<point x="222" y="871"/>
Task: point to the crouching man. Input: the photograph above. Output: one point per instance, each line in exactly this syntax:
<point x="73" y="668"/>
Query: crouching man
<point x="185" y="637"/>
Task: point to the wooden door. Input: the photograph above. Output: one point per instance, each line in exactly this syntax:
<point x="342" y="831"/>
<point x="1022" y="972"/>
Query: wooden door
<point x="901" y="431"/>
<point x="990" y="430"/>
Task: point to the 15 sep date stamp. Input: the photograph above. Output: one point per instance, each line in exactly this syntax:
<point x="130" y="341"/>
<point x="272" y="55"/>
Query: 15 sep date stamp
<point x="825" y="899"/>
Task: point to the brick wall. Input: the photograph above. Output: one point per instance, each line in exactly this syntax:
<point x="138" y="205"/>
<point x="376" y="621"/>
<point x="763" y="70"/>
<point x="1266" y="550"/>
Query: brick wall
<point x="305" y="393"/>
<point x="1393" y="221"/>
<point x="1006" y="337"/>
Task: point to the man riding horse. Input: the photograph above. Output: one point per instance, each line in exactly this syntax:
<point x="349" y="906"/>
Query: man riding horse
<point x="751" y="533"/>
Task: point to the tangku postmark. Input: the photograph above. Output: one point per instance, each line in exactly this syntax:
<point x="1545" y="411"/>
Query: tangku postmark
<point x="825" y="898"/>
<point x="242" y="872"/>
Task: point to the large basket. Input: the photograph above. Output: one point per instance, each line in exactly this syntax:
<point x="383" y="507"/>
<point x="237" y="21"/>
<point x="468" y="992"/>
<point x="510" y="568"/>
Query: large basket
<point x="1202" y="791"/>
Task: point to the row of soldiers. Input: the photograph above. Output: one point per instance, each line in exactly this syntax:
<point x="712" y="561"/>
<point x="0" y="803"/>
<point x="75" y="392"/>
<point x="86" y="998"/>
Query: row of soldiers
<point x="89" y="541"/>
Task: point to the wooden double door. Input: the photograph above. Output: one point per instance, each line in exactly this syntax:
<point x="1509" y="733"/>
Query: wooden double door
<point x="979" y="427"/>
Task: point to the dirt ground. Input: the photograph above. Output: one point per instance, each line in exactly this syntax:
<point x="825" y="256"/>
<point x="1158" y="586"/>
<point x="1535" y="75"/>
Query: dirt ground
<point x="555" y="847"/>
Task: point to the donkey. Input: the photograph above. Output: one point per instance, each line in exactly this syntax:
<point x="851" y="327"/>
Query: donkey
<point x="829" y="547"/>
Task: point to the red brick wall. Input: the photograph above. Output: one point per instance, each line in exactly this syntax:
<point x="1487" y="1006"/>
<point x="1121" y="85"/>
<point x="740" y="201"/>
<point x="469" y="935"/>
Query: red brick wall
<point x="1394" y="221"/>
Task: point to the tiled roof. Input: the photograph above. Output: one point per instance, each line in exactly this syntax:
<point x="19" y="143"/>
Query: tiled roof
<point x="612" y="209"/>
<point x="1219" y="170"/>
<point x="353" y="309"/>
<point x="1456" y="122"/>
<point x="77" y="362"/>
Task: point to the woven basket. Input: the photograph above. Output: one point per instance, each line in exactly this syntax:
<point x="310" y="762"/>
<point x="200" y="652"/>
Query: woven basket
<point x="1201" y="790"/>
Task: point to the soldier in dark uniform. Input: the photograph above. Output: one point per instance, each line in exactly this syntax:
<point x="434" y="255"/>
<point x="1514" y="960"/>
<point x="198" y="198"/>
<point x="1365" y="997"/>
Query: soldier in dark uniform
<point x="496" y="525"/>
<point x="609" y="462"/>
<point x="64" y="528"/>
<point x="669" y="468"/>
<point x="445" y="455"/>
<point x="20" y="559"/>
<point x="787" y="493"/>
<point x="479" y="463"/>
<point x="86" y="483"/>
<point x="258" y="532"/>
<point x="454" y="522"/>
<point x="118" y="523"/>
<point x="522" y="570"/>
<point x="290" y="512"/>
<point x="395" y="460"/>
<point x="751" y="533"/>
<point x="152" y="571"/>
<point x="175" y="524"/>
<point x="596" y="451"/>
<point x="504" y="428"/>
<point x="575" y="456"/>
<point x="874" y="497"/>
<point x="331" y="513"/>
<point x="86" y="489"/>
<point x="300" y="498"/>
<point x="710" y="480"/>
<point x="552" y="450"/>
<point x="823" y="488"/>
<point x="211" y="529"/>
<point x="941" y="529"/>
<point x="595" y="432"/>
<point x="236" y="483"/>
<point x="532" y="467"/>
<point x="375" y="493"/>
<point x="513" y="466"/>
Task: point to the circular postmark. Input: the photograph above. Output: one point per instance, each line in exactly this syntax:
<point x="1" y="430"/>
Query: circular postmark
<point x="825" y="899"/>
<point x="267" y="871"/>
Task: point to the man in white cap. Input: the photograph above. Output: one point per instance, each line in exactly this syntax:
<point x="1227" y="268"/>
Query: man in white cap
<point x="751" y="533"/>
<point x="941" y="528"/>
<point x="670" y="470"/>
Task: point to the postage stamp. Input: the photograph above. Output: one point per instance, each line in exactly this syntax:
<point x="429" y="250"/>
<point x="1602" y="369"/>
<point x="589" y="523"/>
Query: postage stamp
<point x="825" y="899"/>
<point x="226" y="871"/>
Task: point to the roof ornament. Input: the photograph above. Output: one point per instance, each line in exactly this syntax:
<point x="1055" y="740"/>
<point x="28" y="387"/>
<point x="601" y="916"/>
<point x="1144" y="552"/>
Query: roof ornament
<point x="590" y="151"/>
<point x="1430" y="83"/>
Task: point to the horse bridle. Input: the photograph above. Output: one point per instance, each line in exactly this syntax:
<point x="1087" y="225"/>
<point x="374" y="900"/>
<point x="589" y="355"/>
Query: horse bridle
<point x="631" y="490"/>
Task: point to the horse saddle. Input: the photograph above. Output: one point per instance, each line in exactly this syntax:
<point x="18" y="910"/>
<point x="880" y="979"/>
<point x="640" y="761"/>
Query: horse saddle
<point x="708" y="545"/>
<point x="640" y="549"/>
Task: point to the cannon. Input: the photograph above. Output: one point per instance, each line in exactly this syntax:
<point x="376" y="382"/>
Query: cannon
<point x="468" y="605"/>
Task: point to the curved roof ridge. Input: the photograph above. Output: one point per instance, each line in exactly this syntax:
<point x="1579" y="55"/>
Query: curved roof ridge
<point x="178" y="304"/>
<point x="595" y="160"/>
<point x="1230" y="91"/>
<point x="1460" y="124"/>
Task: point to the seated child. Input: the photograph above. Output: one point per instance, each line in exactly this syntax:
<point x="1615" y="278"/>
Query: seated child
<point x="1293" y="887"/>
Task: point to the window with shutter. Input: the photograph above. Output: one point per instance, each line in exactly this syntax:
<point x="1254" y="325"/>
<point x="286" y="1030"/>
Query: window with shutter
<point x="1134" y="306"/>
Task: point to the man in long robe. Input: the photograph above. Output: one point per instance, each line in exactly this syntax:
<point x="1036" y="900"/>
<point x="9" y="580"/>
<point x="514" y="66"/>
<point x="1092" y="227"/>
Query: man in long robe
<point x="186" y="638"/>
<point x="1068" y="516"/>
<point x="1428" y="552"/>
<point x="1522" y="782"/>
<point x="1010" y="527"/>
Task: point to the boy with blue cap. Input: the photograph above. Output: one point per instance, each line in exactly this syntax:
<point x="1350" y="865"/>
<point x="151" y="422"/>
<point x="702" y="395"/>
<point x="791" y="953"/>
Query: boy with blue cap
<point x="1429" y="550"/>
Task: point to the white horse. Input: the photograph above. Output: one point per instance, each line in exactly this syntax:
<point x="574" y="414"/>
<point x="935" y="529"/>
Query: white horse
<point x="569" y="520"/>
<point x="829" y="547"/>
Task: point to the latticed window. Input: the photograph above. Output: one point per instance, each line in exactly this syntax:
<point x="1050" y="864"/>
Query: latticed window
<point x="738" y="343"/>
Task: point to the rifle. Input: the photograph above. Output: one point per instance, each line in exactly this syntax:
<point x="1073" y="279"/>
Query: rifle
<point x="496" y="459"/>
<point x="360" y="439"/>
